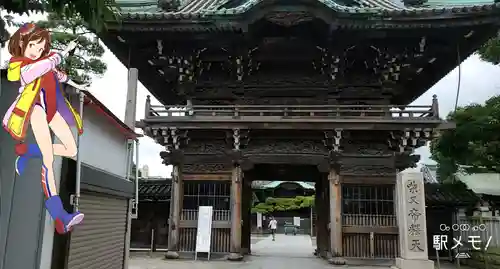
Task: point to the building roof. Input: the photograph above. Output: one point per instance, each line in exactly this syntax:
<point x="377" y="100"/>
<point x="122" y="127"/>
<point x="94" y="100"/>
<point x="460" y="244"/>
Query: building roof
<point x="430" y="173"/>
<point x="481" y="183"/>
<point x="149" y="9"/>
<point x="275" y="184"/>
<point x="100" y="108"/>
<point x="154" y="189"/>
<point x="449" y="195"/>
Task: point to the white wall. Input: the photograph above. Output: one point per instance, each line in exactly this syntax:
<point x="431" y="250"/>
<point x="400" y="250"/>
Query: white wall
<point x="102" y="145"/>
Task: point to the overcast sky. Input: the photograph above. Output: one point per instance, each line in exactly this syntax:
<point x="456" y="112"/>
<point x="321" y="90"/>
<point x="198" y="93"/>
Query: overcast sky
<point x="479" y="81"/>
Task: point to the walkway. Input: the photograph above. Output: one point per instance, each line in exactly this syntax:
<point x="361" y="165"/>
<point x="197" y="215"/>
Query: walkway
<point x="285" y="246"/>
<point x="287" y="252"/>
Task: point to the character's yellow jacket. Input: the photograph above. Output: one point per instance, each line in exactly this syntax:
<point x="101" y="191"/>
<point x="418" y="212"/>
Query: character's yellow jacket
<point x="33" y="77"/>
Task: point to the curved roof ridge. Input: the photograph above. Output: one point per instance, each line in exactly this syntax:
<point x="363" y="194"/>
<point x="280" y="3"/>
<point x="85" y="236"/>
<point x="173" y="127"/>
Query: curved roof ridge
<point x="207" y="8"/>
<point x="378" y="6"/>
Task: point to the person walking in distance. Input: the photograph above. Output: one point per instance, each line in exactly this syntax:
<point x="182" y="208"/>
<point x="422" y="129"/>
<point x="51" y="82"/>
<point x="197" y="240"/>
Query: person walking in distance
<point x="273" y="225"/>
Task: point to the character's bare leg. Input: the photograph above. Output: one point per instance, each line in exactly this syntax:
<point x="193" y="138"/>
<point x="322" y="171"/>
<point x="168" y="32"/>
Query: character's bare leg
<point x="67" y="147"/>
<point x="64" y="221"/>
<point x="43" y="138"/>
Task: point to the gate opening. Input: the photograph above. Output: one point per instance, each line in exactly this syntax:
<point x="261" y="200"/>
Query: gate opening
<point x="285" y="193"/>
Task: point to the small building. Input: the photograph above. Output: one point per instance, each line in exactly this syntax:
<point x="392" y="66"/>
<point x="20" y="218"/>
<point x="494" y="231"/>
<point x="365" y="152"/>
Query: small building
<point x="150" y="229"/>
<point x="470" y="199"/>
<point x="25" y="227"/>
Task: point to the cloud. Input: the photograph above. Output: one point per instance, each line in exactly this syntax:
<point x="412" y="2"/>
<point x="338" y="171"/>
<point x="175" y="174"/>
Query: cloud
<point x="479" y="81"/>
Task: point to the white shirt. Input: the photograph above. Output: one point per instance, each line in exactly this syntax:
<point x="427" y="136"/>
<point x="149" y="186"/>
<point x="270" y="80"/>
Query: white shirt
<point x="273" y="224"/>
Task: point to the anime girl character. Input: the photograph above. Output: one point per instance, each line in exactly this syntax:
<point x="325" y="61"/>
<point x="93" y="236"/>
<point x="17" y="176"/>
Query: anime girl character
<point x="42" y="105"/>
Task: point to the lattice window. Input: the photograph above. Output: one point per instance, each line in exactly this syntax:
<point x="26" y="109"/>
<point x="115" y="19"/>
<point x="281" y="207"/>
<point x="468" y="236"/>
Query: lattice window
<point x="207" y="193"/>
<point x="368" y="200"/>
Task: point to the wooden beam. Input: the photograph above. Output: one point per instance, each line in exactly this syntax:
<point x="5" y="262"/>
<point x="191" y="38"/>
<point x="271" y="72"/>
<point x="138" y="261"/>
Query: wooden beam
<point x="368" y="230"/>
<point x="236" y="214"/>
<point x="335" y="201"/>
<point x="207" y="177"/>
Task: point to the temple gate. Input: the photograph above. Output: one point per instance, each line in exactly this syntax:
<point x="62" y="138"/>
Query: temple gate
<point x="302" y="90"/>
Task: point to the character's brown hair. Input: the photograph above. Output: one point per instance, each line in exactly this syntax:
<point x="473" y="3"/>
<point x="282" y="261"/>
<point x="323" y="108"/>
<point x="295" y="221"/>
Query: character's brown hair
<point x="24" y="35"/>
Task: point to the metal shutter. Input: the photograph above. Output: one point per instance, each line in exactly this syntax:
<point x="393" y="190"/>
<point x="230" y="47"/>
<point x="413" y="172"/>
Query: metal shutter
<point x="99" y="241"/>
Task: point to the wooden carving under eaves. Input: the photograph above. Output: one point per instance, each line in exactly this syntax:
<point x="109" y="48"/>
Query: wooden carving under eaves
<point x="284" y="147"/>
<point x="366" y="148"/>
<point x="367" y="170"/>
<point x="289" y="18"/>
<point x="200" y="168"/>
<point x="217" y="147"/>
<point x="174" y="157"/>
<point x="406" y="160"/>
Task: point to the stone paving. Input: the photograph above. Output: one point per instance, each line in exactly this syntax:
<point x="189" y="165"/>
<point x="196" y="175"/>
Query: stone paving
<point x="287" y="252"/>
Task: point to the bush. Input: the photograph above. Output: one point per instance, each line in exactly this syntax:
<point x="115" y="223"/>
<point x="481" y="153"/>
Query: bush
<point x="283" y="204"/>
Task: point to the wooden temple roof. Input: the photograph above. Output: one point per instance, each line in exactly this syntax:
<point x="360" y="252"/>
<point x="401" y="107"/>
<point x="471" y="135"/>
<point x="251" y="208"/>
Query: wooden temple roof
<point x="149" y="10"/>
<point x="406" y="48"/>
<point x="154" y="190"/>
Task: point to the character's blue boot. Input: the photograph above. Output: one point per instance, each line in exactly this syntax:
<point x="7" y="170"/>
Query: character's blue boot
<point x="64" y="221"/>
<point x="33" y="151"/>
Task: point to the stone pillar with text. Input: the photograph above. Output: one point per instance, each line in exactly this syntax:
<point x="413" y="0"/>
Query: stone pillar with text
<point x="412" y="221"/>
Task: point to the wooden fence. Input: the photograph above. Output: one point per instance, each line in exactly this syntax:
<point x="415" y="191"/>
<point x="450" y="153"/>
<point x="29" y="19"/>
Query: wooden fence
<point x="486" y="228"/>
<point x="370" y="236"/>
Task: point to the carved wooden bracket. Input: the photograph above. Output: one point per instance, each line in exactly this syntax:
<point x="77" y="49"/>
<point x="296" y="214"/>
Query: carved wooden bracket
<point x="175" y="157"/>
<point x="332" y="140"/>
<point x="409" y="139"/>
<point x="406" y="160"/>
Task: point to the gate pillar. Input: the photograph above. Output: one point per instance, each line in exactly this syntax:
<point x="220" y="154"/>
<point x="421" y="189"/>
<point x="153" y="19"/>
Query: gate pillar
<point x="175" y="212"/>
<point x="335" y="202"/>
<point x="236" y="188"/>
<point x="321" y="221"/>
<point x="246" y="206"/>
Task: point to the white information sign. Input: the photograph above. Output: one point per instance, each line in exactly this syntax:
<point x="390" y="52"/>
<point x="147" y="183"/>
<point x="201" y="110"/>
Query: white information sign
<point x="259" y="220"/>
<point x="296" y="221"/>
<point x="204" y="230"/>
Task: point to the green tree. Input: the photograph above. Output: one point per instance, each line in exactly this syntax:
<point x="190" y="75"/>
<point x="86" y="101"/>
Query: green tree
<point x="85" y="61"/>
<point x="283" y="204"/>
<point x="473" y="144"/>
<point x="93" y="12"/>
<point x="490" y="51"/>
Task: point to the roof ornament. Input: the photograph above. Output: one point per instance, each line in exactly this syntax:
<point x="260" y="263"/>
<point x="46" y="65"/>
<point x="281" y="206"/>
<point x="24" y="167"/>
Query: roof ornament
<point x="159" y="46"/>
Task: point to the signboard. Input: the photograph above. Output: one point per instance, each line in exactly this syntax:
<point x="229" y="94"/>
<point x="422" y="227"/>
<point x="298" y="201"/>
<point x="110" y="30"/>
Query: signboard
<point x="259" y="220"/>
<point x="296" y="221"/>
<point x="204" y="230"/>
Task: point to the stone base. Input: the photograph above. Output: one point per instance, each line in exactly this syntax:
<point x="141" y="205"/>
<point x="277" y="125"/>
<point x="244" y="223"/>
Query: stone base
<point x="337" y="261"/>
<point x="172" y="255"/>
<point x="235" y="257"/>
<point x="413" y="264"/>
